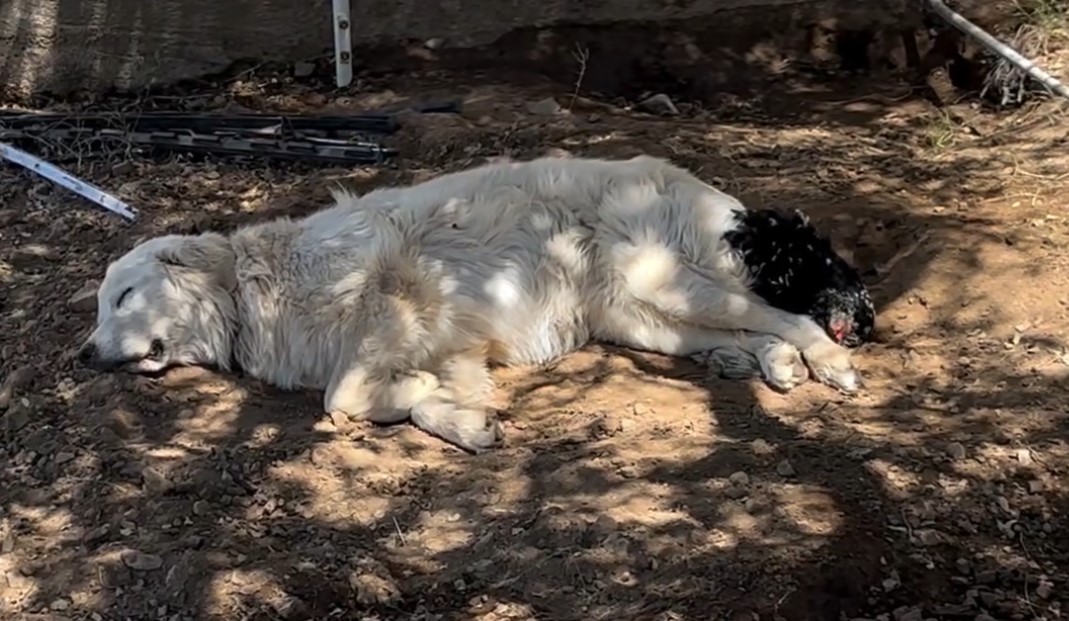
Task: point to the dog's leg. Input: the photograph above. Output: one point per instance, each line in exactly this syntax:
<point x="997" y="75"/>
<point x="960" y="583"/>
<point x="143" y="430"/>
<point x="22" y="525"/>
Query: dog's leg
<point x="385" y="400"/>
<point x="687" y="297"/>
<point x="734" y="354"/>
<point x="456" y="411"/>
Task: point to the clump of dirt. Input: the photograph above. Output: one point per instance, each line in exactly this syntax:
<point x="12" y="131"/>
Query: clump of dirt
<point x="632" y="486"/>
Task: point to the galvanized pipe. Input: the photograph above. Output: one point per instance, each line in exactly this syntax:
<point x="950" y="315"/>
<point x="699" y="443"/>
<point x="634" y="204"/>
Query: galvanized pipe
<point x="998" y="47"/>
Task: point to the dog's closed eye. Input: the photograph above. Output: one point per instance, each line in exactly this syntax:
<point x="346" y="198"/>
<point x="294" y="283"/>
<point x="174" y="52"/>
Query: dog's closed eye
<point x="122" y="296"/>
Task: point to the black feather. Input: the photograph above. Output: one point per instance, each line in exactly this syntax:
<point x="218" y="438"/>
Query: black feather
<point x="794" y="268"/>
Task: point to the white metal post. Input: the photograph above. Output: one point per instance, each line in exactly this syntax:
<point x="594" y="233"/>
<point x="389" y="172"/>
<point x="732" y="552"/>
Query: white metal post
<point x="343" y="43"/>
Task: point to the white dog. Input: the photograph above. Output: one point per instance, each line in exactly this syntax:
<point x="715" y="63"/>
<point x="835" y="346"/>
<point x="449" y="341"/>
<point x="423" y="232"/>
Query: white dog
<point x="395" y="302"/>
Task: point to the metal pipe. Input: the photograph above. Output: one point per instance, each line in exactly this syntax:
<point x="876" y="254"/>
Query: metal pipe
<point x="343" y="43"/>
<point x="1001" y="49"/>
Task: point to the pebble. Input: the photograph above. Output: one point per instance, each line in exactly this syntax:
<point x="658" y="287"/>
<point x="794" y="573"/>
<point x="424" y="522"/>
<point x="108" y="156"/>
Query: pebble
<point x="201" y="507"/>
<point x="908" y="614"/>
<point x="785" y="469"/>
<point x="928" y="537"/>
<point x="155" y="481"/>
<point x="14" y="382"/>
<point x="1024" y="457"/>
<point x="63" y="457"/>
<point x="303" y="69"/>
<point x="140" y="561"/>
<point x="544" y="107"/>
<point x="740" y="479"/>
<point x="1045" y="590"/>
<point x="659" y="104"/>
<point x="84" y="300"/>
<point x="59" y="605"/>
<point x="986" y="577"/>
<point x="956" y="450"/>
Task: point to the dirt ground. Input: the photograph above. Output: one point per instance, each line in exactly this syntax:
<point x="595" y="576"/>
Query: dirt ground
<point x="632" y="486"/>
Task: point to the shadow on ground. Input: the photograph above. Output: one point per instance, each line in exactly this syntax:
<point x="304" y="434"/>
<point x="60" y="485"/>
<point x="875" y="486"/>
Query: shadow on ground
<point x="633" y="486"/>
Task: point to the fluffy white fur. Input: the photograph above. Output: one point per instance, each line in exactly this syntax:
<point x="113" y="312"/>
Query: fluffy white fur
<point x="394" y="302"/>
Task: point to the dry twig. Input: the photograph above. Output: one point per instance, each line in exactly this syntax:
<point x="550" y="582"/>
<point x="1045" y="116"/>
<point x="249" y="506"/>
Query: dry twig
<point x="581" y="56"/>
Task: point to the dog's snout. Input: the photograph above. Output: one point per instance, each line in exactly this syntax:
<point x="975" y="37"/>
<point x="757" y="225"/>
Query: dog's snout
<point x="87" y="353"/>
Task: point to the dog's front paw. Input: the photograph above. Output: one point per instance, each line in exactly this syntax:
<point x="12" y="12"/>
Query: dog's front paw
<point x="411" y="388"/>
<point x="469" y="428"/>
<point x="781" y="364"/>
<point x="831" y="365"/>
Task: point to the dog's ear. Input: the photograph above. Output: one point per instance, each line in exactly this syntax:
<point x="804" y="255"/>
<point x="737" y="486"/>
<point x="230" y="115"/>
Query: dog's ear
<point x="200" y="252"/>
<point x="207" y="252"/>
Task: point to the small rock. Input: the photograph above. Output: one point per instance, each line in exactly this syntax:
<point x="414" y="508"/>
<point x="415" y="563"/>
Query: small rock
<point x="956" y="450"/>
<point x="123" y="168"/>
<point x="1024" y="457"/>
<point x="373" y="585"/>
<point x="340" y="420"/>
<point x="63" y="457"/>
<point x="1045" y="590"/>
<point x="13" y="383"/>
<point x="201" y="507"/>
<point x="303" y="69"/>
<point x="785" y="469"/>
<point x="96" y="535"/>
<point x="890" y="584"/>
<point x="983" y="616"/>
<point x="17" y="417"/>
<point x="1035" y="486"/>
<point x="288" y="607"/>
<point x="155" y="481"/>
<point x="761" y="447"/>
<point x="987" y="576"/>
<point x="740" y="479"/>
<point x="659" y="104"/>
<point x="963" y="566"/>
<point x="606" y="426"/>
<point x="988" y="598"/>
<point x="928" y="537"/>
<point x="735" y="492"/>
<point x="8" y="544"/>
<point x="908" y="614"/>
<point x="544" y="107"/>
<point x="140" y="561"/>
<point x="435" y="43"/>
<point x="60" y="604"/>
<point x="85" y="299"/>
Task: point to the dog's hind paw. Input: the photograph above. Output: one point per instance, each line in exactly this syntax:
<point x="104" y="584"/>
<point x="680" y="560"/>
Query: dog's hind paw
<point x="730" y="363"/>
<point x="782" y="365"/>
<point x="468" y="428"/>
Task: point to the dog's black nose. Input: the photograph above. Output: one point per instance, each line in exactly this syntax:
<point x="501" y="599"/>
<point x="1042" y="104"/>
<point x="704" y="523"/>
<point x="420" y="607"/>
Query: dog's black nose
<point x="86" y="353"/>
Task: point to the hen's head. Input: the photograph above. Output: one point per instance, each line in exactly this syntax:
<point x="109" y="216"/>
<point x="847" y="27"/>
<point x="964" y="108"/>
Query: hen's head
<point x="795" y="268"/>
<point x="847" y="314"/>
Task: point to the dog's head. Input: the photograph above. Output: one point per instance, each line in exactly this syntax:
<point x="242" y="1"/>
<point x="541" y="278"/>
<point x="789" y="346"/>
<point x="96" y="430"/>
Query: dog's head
<point x="166" y="302"/>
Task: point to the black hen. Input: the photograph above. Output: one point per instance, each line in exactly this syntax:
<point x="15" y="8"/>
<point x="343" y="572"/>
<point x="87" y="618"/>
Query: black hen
<point x="795" y="269"/>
